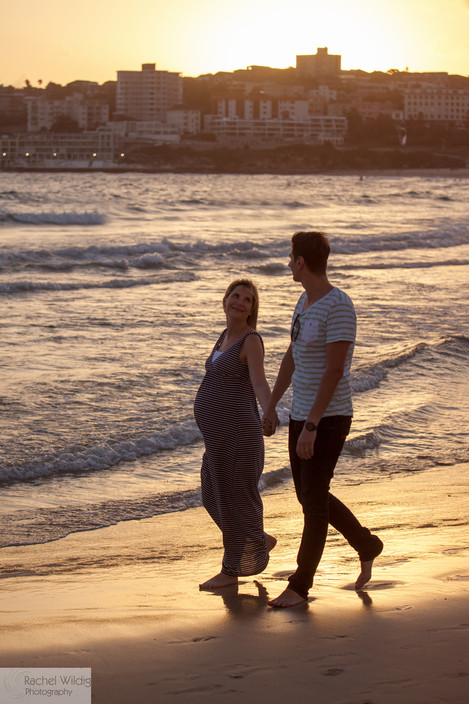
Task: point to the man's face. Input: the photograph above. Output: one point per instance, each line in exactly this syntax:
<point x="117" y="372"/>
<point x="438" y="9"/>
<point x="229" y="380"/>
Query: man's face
<point x="293" y="264"/>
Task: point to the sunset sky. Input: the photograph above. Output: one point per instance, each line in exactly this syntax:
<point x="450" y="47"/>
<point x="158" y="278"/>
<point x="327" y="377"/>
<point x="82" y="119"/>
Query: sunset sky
<point x="62" y="41"/>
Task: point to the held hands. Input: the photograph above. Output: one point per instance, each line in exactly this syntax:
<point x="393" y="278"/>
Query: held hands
<point x="305" y="444"/>
<point x="270" y="422"/>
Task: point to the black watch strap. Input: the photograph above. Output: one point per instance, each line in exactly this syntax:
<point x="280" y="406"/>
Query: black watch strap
<point x="311" y="426"/>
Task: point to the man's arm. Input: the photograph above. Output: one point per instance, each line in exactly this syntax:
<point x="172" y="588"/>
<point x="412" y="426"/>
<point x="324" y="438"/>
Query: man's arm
<point x="336" y="354"/>
<point x="287" y="367"/>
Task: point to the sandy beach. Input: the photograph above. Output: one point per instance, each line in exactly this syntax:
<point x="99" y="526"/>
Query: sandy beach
<point x="125" y="601"/>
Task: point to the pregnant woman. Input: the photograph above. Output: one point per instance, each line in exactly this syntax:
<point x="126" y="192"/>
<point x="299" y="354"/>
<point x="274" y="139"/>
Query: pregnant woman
<point x="227" y="414"/>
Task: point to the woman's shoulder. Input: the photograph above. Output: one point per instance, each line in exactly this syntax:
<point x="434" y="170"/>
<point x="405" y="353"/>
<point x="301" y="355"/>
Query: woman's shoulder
<point x="220" y="337"/>
<point x="252" y="339"/>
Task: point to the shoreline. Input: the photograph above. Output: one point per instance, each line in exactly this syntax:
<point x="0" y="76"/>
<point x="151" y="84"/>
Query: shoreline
<point x="124" y="600"/>
<point x="456" y="172"/>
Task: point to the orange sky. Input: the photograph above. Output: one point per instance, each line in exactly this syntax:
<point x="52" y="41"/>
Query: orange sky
<point x="63" y="41"/>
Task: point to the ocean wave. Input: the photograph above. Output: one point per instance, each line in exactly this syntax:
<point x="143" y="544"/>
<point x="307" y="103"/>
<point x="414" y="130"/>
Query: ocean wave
<point x="19" y="287"/>
<point x="294" y="204"/>
<point x="272" y="268"/>
<point x="121" y="256"/>
<point x="371" y="440"/>
<point x="369" y="377"/>
<point x="443" y="237"/>
<point x="95" y="459"/>
<point x="44" y="525"/>
<point x="53" y="218"/>
<point x="10" y="195"/>
<point x="403" y="265"/>
<point x="150" y="256"/>
<point x="160" y="253"/>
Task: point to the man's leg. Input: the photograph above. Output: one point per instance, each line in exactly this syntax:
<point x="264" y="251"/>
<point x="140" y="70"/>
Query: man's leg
<point x="316" y="475"/>
<point x="368" y="546"/>
<point x="312" y="478"/>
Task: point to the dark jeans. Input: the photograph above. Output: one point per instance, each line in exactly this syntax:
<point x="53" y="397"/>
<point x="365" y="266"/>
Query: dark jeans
<point x="312" y="478"/>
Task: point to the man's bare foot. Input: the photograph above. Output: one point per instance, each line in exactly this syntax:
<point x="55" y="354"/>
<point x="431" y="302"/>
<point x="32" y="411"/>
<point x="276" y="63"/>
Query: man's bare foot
<point x="220" y="580"/>
<point x="365" y="574"/>
<point x="270" y="541"/>
<point x="287" y="598"/>
<point x="367" y="565"/>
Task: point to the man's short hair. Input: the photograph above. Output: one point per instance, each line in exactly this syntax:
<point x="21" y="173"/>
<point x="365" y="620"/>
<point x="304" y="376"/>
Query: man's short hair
<point x="314" y="247"/>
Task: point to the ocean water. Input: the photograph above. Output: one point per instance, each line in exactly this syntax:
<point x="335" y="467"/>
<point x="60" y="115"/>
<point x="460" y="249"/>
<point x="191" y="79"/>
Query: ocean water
<point x="111" y="289"/>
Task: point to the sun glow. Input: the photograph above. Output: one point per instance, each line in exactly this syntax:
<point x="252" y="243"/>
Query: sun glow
<point x="209" y="36"/>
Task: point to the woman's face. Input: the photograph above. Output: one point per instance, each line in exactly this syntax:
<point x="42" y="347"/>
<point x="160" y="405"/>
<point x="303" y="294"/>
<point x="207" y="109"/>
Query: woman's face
<point x="238" y="305"/>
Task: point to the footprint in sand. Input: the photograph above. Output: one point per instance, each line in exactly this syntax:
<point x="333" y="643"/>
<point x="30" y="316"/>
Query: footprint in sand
<point x="198" y="690"/>
<point x="383" y="585"/>
<point x="198" y="639"/>
<point x="405" y="607"/>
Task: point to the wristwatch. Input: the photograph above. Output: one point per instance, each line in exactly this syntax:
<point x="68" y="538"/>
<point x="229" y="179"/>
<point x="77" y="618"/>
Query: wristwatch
<point x="310" y="426"/>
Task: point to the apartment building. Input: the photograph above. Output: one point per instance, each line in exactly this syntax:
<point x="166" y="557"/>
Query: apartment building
<point x="368" y="109"/>
<point x="319" y="99"/>
<point x="50" y="149"/>
<point x="43" y="112"/>
<point x="437" y="104"/>
<point x="148" y="94"/>
<point x="12" y="103"/>
<point x="319" y="65"/>
<point x="151" y="131"/>
<point x="186" y="121"/>
<point x="313" y="130"/>
<point x="259" y="107"/>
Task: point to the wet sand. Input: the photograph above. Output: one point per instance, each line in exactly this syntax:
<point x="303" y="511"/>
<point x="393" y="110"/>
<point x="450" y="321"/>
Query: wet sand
<point x="124" y="601"/>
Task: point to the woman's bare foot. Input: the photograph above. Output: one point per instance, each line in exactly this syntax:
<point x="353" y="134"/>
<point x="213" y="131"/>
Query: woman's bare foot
<point x="270" y="541"/>
<point x="287" y="598"/>
<point x="220" y="580"/>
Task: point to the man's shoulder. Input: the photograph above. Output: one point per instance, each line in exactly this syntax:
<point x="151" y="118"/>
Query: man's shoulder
<point x="339" y="296"/>
<point x="341" y="311"/>
<point x="337" y="300"/>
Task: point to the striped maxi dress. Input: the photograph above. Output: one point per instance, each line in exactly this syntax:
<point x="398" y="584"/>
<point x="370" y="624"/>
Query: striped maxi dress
<point x="226" y="412"/>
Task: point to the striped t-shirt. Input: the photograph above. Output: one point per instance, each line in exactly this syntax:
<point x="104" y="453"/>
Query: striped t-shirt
<point x="331" y="319"/>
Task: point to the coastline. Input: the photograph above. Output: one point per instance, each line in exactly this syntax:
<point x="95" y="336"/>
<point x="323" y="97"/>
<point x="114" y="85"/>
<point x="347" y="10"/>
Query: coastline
<point x="456" y="172"/>
<point x="124" y="601"/>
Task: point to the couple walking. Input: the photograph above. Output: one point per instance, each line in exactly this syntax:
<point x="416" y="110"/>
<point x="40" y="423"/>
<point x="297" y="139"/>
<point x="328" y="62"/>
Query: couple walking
<point x="317" y="365"/>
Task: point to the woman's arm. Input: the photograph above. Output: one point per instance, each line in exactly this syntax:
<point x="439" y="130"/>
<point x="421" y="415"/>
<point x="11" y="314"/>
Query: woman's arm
<point x="252" y="354"/>
<point x="283" y="381"/>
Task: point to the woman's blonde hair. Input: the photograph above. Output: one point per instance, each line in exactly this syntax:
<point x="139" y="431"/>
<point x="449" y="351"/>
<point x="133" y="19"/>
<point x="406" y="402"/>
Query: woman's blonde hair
<point x="252" y="317"/>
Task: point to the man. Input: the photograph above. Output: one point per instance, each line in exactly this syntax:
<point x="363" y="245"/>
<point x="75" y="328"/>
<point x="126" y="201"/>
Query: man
<point x="317" y="364"/>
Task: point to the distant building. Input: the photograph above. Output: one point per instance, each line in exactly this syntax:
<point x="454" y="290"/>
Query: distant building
<point x="436" y="104"/>
<point x="12" y="103"/>
<point x="150" y="131"/>
<point x="55" y="150"/>
<point x="259" y="107"/>
<point x="319" y="98"/>
<point x="88" y="114"/>
<point x="319" y="65"/>
<point x="186" y="121"/>
<point x="365" y="108"/>
<point x="313" y="130"/>
<point x="147" y="94"/>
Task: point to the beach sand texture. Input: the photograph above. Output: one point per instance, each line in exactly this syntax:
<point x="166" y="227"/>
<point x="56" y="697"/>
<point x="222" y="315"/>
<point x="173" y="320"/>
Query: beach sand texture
<point x="124" y="601"/>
